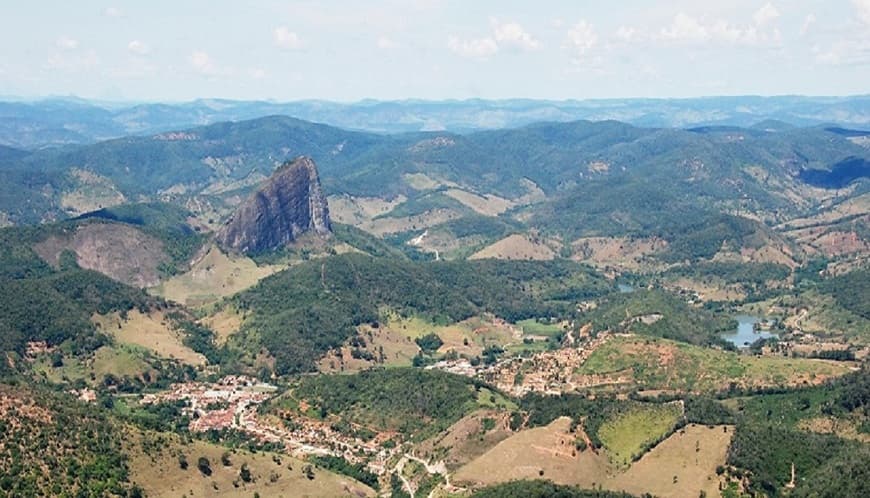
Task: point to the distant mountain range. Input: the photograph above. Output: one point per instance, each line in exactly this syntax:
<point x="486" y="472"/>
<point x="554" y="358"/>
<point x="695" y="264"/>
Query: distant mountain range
<point x="62" y="121"/>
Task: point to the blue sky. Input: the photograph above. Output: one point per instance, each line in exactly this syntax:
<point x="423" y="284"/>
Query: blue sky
<point x="433" y="49"/>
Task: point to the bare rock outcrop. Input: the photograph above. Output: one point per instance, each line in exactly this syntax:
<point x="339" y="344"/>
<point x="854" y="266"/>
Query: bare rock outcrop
<point x="116" y="250"/>
<point x="290" y="203"/>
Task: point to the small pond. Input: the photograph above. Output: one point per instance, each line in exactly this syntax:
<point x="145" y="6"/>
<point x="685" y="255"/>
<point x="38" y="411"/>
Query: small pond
<point x="745" y="333"/>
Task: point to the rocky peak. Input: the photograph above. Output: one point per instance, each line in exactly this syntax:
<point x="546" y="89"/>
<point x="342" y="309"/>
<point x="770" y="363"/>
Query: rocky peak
<point x="288" y="204"/>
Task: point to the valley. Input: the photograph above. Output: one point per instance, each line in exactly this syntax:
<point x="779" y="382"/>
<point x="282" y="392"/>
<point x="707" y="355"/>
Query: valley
<point x="438" y="314"/>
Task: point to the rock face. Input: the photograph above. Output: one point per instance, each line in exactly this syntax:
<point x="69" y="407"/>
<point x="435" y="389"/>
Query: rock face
<point x="290" y="203"/>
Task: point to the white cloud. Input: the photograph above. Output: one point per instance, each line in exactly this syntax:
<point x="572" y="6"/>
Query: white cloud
<point x="689" y="30"/>
<point x="139" y="48"/>
<point x="627" y="34"/>
<point x="808" y="22"/>
<point x="581" y="39"/>
<point x="74" y="61"/>
<point x="844" y="52"/>
<point x="476" y="48"/>
<point x="863" y="8"/>
<point x="386" y="43"/>
<point x="508" y="35"/>
<point x="765" y="14"/>
<point x="685" y="28"/>
<point x="512" y="35"/>
<point x="286" y="39"/>
<point x="67" y="43"/>
<point x="202" y="63"/>
<point x="257" y="73"/>
<point x="112" y="12"/>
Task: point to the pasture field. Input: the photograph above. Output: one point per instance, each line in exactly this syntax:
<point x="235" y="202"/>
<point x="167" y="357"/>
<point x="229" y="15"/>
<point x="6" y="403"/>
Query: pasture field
<point x="120" y="360"/>
<point x="682" y="465"/>
<point x="518" y="247"/>
<point x="654" y="363"/>
<point x="150" y="331"/>
<point x="154" y="465"/>
<point x="214" y="276"/>
<point x="533" y="327"/>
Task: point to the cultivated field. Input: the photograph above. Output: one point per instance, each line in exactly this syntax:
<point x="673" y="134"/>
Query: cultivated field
<point x="223" y="323"/>
<point x="626" y="435"/>
<point x="357" y="210"/>
<point x="467" y="439"/>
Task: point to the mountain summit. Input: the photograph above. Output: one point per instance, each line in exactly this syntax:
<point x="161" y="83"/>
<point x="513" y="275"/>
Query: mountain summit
<point x="290" y="203"/>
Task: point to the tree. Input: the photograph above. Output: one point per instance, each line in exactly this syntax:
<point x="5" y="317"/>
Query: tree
<point x="245" y="473"/>
<point x="225" y="459"/>
<point x="429" y="343"/>
<point x="182" y="462"/>
<point x="204" y="466"/>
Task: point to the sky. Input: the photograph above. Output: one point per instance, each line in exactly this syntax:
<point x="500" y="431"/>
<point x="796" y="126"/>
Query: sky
<point x="432" y="49"/>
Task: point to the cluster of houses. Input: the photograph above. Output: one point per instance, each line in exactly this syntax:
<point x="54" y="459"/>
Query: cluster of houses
<point x="231" y="403"/>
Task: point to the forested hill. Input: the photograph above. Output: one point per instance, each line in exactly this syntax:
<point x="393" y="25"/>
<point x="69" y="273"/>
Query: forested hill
<point x="60" y="121"/>
<point x="302" y="312"/>
<point x="556" y="157"/>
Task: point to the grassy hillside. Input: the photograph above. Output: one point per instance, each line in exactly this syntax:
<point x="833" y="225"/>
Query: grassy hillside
<point x="407" y="400"/>
<point x="663" y="364"/>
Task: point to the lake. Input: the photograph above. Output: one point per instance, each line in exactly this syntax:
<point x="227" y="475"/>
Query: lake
<point x="745" y="334"/>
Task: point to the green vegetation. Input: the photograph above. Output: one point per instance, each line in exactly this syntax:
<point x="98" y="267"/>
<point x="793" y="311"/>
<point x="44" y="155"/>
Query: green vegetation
<point x="768" y="451"/>
<point x="664" y="364"/>
<point x="365" y="241"/>
<point x="851" y="291"/>
<point x="411" y="401"/>
<point x="166" y="222"/>
<point x="44" y="304"/>
<point x="542" y="489"/>
<point x="732" y="272"/>
<point x="429" y="343"/>
<point x="52" y="445"/>
<point x="634" y="431"/>
<point x="357" y="471"/>
<point x="535" y="326"/>
<point x="300" y="313"/>
<point x="427" y="202"/>
<point x="660" y="314"/>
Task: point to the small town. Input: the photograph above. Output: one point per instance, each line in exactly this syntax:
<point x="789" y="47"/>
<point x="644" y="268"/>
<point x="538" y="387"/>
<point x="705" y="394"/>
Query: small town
<point x="232" y="402"/>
